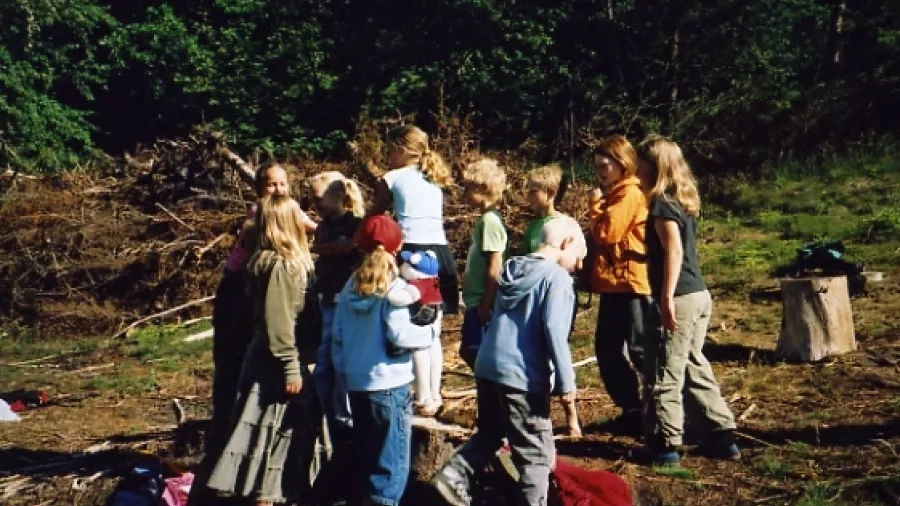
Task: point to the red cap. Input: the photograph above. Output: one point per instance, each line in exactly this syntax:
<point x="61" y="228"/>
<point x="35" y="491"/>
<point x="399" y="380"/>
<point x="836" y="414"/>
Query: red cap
<point x="379" y="229"/>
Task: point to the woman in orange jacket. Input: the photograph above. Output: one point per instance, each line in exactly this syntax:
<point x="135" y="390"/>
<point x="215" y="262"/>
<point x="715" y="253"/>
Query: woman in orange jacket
<point x="618" y="214"/>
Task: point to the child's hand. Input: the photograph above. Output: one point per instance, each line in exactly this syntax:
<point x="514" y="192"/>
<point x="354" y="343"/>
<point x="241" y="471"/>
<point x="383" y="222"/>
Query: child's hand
<point x="293" y="388"/>
<point x="667" y="314"/>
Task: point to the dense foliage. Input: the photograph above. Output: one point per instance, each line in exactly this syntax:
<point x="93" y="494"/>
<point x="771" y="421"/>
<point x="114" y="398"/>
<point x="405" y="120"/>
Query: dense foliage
<point x="740" y="82"/>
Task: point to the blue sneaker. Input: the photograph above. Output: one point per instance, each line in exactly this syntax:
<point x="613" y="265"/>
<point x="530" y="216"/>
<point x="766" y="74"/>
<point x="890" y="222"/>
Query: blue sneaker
<point x="658" y="456"/>
<point x="729" y="452"/>
<point x="721" y="445"/>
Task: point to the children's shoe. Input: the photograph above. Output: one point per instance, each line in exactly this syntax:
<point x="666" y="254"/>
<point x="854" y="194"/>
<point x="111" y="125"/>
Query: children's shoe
<point x="730" y="452"/>
<point x="452" y="486"/>
<point x="658" y="456"/>
<point x="721" y="446"/>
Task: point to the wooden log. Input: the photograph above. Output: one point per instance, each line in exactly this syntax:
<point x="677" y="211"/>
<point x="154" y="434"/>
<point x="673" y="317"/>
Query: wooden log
<point x="433" y="443"/>
<point x="817" y="320"/>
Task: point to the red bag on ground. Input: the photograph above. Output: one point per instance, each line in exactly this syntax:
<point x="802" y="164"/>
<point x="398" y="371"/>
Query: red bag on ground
<point x="21" y="400"/>
<point x="574" y="486"/>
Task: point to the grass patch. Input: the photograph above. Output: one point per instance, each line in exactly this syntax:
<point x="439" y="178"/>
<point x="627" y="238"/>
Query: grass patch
<point x="671" y="471"/>
<point x="166" y="342"/>
<point x="19" y="344"/>
<point x="126" y="382"/>
<point x="770" y="464"/>
<point x="820" y="493"/>
<point x="751" y="227"/>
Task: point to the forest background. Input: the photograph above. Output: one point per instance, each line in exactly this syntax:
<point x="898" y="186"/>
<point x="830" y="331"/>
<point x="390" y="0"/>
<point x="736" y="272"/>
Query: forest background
<point x="743" y="84"/>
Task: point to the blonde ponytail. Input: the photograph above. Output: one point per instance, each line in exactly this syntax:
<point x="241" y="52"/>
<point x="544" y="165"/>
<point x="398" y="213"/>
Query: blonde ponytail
<point x="413" y="141"/>
<point x="376" y="273"/>
<point x="353" y="199"/>
<point x="434" y="169"/>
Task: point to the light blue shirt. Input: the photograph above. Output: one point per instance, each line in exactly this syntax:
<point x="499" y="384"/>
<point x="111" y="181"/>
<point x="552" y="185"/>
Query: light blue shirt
<point x="418" y="206"/>
<point x="361" y="330"/>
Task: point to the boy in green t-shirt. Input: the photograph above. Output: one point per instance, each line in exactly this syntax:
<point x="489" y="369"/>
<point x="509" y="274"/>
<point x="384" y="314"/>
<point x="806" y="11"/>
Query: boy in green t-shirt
<point x="484" y="182"/>
<point x="542" y="186"/>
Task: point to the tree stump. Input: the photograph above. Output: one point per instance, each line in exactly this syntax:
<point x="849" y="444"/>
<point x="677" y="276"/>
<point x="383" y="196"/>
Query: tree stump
<point x="433" y="443"/>
<point x="817" y="320"/>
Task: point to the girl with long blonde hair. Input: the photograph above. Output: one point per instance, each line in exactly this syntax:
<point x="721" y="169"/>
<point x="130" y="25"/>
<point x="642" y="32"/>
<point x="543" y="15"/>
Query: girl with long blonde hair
<point x="414" y="187"/>
<point x="233" y="319"/>
<point x="365" y="326"/>
<point x="676" y="372"/>
<point x="273" y="390"/>
<point x="339" y="202"/>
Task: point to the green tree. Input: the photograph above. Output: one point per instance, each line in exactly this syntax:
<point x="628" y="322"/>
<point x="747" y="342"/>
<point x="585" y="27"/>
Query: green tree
<point x="52" y="63"/>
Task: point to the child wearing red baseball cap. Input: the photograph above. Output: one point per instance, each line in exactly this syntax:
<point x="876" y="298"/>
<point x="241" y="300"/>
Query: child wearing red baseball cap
<point x="378" y="382"/>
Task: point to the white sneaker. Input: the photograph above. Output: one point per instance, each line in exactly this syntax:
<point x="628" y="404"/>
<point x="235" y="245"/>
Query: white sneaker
<point x="452" y="486"/>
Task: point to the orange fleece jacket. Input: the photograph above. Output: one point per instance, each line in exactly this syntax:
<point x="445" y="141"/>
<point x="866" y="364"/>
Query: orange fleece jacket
<point x="617" y="228"/>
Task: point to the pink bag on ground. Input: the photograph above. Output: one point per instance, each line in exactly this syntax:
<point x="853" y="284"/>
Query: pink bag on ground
<point x="177" y="490"/>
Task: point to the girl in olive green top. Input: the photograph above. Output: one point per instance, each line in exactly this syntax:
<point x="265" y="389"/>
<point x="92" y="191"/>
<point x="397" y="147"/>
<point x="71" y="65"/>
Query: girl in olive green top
<point x="272" y="425"/>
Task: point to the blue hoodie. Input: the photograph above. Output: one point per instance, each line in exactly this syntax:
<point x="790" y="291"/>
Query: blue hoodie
<point x="361" y="326"/>
<point x="526" y="341"/>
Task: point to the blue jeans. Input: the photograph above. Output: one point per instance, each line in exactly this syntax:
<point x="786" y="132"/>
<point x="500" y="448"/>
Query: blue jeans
<point x="382" y="426"/>
<point x="330" y="386"/>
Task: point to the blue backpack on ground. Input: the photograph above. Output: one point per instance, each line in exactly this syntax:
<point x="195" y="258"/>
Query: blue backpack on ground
<point x="827" y="258"/>
<point x="142" y="486"/>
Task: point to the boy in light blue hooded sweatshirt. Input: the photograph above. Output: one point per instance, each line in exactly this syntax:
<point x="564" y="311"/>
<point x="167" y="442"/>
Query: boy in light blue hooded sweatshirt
<point x="378" y="383"/>
<point x="523" y="354"/>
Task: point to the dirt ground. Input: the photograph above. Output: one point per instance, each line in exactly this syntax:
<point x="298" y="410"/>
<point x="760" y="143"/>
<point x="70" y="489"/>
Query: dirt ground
<point x="827" y="430"/>
<point x="84" y="255"/>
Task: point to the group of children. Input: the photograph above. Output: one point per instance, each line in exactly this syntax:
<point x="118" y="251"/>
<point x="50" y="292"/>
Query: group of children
<point x="366" y="317"/>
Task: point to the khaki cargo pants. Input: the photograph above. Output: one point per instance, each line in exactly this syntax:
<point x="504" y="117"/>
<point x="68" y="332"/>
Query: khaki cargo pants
<point x="679" y="379"/>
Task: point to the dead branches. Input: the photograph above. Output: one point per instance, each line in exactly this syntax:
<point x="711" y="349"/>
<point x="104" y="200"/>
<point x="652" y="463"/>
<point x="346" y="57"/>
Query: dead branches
<point x="132" y="326"/>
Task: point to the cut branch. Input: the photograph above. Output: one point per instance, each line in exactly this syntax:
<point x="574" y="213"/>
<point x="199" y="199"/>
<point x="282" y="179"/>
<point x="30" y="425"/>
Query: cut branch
<point x="243" y="169"/>
<point x="176" y="218"/>
<point x="127" y="330"/>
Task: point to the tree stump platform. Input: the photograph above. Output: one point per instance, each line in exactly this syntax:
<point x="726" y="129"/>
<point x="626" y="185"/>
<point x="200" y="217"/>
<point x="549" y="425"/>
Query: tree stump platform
<point x="817" y="320"/>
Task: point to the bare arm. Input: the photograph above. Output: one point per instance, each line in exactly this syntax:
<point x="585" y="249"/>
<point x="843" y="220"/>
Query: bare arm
<point x="674" y="255"/>
<point x="382" y="199"/>
<point x="309" y="226"/>
<point x="491" y="277"/>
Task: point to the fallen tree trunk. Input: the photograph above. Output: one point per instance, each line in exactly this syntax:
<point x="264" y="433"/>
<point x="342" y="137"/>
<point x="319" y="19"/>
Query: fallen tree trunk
<point x="243" y="169"/>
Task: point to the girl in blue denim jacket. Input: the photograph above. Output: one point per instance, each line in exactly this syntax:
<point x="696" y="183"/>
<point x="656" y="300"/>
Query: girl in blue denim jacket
<point x="378" y="383"/>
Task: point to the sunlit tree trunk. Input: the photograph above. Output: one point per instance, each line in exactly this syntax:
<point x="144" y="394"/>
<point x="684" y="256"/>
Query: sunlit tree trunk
<point x="834" y="52"/>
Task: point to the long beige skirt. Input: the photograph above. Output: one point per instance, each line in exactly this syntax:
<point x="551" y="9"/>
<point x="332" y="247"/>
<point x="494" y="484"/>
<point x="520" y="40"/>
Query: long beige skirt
<point x="268" y="455"/>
